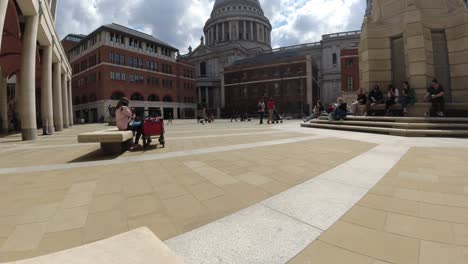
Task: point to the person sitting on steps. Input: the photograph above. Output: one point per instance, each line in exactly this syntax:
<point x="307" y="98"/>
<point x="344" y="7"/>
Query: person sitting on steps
<point x="435" y="95"/>
<point x="361" y="99"/>
<point x="317" y="111"/>
<point x="341" y="110"/>
<point x="392" y="98"/>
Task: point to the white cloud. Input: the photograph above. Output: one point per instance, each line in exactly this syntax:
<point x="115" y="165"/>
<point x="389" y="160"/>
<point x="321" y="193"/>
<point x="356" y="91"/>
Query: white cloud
<point x="180" y="22"/>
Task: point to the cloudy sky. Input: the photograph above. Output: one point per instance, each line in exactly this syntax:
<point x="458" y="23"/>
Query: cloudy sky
<point x="180" y="22"/>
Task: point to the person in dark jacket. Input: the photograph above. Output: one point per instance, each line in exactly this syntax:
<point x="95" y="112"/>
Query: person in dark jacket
<point x="375" y="96"/>
<point x="341" y="110"/>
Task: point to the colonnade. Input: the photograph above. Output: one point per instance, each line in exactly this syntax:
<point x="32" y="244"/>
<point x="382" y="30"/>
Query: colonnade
<point x="56" y="93"/>
<point x="238" y="30"/>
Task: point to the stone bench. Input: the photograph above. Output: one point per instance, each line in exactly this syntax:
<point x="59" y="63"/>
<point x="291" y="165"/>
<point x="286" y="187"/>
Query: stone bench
<point x="395" y="110"/>
<point x="139" y="246"/>
<point x="112" y="140"/>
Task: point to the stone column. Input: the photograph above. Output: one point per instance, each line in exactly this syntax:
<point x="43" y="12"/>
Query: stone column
<point x="199" y="95"/>
<point x="65" y="101"/>
<point x="309" y="92"/>
<point x="47" y="109"/>
<point x="70" y="102"/>
<point x="3" y="105"/>
<point x="3" y="9"/>
<point x="28" y="79"/>
<point x="217" y="33"/>
<point x="207" y="101"/>
<point x="252" y="30"/>
<point x="223" y="37"/>
<point x="230" y="30"/>
<point x="223" y="92"/>
<point x="174" y="113"/>
<point x="57" y="96"/>
<point x="245" y="29"/>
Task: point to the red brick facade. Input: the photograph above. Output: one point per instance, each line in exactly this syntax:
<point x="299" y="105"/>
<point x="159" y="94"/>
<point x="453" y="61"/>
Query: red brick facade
<point x="96" y="77"/>
<point x="284" y="80"/>
<point x="350" y="70"/>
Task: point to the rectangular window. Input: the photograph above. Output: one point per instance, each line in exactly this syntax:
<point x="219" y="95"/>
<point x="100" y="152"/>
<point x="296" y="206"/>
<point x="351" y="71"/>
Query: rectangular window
<point x="334" y="59"/>
<point x="130" y="61"/>
<point x="141" y="63"/>
<point x="117" y="76"/>
<point x="111" y="57"/>
<point x="123" y="77"/>
<point x="350" y="84"/>
<point x="122" y="59"/>
<point x="135" y="62"/>
<point x="117" y="58"/>
<point x="112" y="75"/>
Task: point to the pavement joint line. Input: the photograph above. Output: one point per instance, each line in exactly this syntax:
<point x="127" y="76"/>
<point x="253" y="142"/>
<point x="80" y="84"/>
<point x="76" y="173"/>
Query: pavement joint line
<point x="175" y="154"/>
<point x="26" y="147"/>
<point x="186" y="246"/>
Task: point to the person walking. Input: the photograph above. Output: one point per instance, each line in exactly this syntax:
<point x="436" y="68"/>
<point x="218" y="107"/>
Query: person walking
<point x="169" y="118"/>
<point x="271" y="105"/>
<point x="261" y="110"/>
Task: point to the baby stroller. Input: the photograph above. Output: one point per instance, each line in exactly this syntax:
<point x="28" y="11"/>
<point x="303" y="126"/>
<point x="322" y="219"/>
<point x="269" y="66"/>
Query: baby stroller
<point x="277" y="118"/>
<point x="153" y="127"/>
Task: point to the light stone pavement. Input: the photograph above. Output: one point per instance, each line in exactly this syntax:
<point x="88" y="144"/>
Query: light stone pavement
<point x="243" y="193"/>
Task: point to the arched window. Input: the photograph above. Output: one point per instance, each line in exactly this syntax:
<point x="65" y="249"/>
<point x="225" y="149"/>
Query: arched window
<point x="117" y="96"/>
<point x="92" y="98"/>
<point x="153" y="98"/>
<point x="137" y="97"/>
<point x="77" y="100"/>
<point x="84" y="99"/>
<point x="167" y="98"/>
<point x="203" y="69"/>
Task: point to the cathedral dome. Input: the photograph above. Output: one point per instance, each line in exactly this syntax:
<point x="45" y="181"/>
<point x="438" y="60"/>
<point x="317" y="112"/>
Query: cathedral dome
<point x="240" y="21"/>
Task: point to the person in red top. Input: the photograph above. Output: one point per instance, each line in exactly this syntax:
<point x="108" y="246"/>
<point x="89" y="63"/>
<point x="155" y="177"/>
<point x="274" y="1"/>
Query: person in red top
<point x="271" y="105"/>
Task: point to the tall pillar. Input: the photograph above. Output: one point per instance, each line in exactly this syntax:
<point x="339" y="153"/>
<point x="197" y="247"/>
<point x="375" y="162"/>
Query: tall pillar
<point x="252" y="30"/>
<point x="207" y="101"/>
<point x="3" y="105"/>
<point x="309" y="91"/>
<point x="47" y="109"/>
<point x="70" y="102"/>
<point x="230" y="30"/>
<point x="3" y="9"/>
<point x="28" y="80"/>
<point x="57" y="96"/>
<point x="245" y="29"/>
<point x="65" y="101"/>
<point x="223" y="92"/>
<point x="199" y="95"/>
<point x="223" y="37"/>
<point x="175" y="113"/>
<point x="217" y="33"/>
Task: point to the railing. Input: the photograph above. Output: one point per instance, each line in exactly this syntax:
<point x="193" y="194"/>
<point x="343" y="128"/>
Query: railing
<point x="342" y="34"/>
<point x="300" y="46"/>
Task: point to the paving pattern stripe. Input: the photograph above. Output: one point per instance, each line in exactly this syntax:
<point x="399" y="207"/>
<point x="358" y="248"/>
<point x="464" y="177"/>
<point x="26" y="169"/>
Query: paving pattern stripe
<point x="317" y="203"/>
<point x="166" y="138"/>
<point x="175" y="154"/>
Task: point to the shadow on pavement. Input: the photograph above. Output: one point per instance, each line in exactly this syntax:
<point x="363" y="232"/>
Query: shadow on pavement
<point x="96" y="155"/>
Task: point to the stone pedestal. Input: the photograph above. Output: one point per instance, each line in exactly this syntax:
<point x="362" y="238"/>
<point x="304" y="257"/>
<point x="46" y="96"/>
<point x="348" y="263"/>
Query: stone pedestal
<point x="424" y="30"/>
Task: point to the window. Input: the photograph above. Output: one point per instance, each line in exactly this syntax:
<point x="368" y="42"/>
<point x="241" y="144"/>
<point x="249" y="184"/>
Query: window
<point x="334" y="59"/>
<point x="203" y="69"/>
<point x="141" y="63"/>
<point x="349" y="63"/>
<point x="349" y="84"/>
<point x="135" y="62"/>
<point x="137" y="97"/>
<point x="123" y="76"/>
<point x="167" y="98"/>
<point x="117" y="59"/>
<point x="111" y="57"/>
<point x="153" y="98"/>
<point x="122" y="59"/>
<point x="130" y="61"/>
<point x="117" y="76"/>
<point x="112" y="75"/>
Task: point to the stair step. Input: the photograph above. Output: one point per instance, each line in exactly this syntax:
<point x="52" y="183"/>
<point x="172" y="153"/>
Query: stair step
<point x="406" y="119"/>
<point x="453" y="126"/>
<point x="393" y="131"/>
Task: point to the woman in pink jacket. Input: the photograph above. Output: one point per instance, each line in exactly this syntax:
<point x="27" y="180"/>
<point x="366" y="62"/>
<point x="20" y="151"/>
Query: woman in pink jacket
<point x="125" y="120"/>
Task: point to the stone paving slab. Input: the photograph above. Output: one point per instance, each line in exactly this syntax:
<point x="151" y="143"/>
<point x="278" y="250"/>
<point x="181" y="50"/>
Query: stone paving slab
<point x="171" y="195"/>
<point x="416" y="214"/>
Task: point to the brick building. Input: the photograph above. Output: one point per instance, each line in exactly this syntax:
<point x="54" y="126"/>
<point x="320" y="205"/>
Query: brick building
<point x="349" y="73"/>
<point x="115" y="61"/>
<point x="289" y="77"/>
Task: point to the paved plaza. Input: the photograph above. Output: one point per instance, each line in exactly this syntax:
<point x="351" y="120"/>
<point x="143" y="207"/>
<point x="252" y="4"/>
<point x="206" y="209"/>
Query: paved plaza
<point x="242" y="193"/>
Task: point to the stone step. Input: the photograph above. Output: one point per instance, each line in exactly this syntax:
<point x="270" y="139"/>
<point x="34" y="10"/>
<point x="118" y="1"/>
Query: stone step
<point x="406" y="119"/>
<point x="451" y="126"/>
<point x="393" y="131"/>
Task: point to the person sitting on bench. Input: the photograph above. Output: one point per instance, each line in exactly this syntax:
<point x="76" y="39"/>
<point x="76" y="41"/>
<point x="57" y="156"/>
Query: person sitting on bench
<point x="375" y="96"/>
<point x="435" y="95"/>
<point x="392" y="97"/>
<point x="125" y="120"/>
<point x="361" y="99"/>
<point x="341" y="110"/>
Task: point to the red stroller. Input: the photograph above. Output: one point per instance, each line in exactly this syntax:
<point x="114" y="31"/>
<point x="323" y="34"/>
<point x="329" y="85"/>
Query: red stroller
<point x="153" y="127"/>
